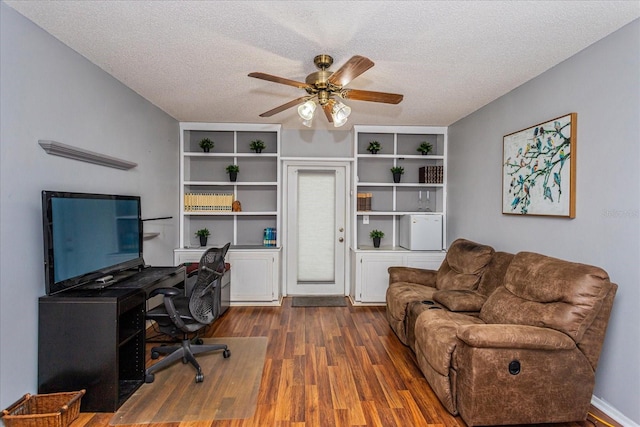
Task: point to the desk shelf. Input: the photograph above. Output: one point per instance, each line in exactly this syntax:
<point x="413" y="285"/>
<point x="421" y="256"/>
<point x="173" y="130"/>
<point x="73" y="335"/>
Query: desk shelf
<point x="95" y="339"/>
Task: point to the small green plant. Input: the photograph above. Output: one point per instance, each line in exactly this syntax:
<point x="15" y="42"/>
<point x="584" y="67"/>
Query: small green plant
<point x="257" y="145"/>
<point x="425" y="148"/>
<point x="374" y="147"/>
<point x="397" y="169"/>
<point x="233" y="168"/>
<point x="206" y="144"/>
<point x="376" y="234"/>
<point x="203" y="232"/>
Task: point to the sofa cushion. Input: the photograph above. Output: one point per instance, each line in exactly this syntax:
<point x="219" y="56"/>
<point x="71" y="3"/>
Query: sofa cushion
<point x="493" y="275"/>
<point x="463" y="265"/>
<point x="465" y="301"/>
<point x="550" y="293"/>
<point x="398" y="297"/>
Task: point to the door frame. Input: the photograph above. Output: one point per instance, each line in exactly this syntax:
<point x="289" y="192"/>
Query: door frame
<point x="314" y="164"/>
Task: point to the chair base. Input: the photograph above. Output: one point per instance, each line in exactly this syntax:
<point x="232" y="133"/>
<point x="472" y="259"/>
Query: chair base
<point x="186" y="352"/>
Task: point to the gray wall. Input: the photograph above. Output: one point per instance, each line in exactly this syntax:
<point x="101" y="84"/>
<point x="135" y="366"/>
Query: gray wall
<point x="316" y="143"/>
<point x="601" y="84"/>
<point x="51" y="92"/>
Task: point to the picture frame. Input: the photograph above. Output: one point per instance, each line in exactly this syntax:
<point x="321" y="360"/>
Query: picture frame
<point x="539" y="169"/>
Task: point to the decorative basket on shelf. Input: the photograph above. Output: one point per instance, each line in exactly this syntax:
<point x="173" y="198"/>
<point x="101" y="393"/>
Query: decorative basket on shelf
<point x="43" y="410"/>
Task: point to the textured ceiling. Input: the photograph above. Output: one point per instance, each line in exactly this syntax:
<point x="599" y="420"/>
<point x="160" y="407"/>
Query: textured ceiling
<point x="191" y="58"/>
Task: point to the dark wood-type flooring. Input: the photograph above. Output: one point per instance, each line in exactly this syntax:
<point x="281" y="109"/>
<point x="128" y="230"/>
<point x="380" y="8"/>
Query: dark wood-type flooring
<point x="329" y="366"/>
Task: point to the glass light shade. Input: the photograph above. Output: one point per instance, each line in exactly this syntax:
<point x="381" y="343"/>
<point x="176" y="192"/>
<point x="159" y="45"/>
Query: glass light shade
<point x="306" y="110"/>
<point x="308" y="123"/>
<point x="340" y="114"/>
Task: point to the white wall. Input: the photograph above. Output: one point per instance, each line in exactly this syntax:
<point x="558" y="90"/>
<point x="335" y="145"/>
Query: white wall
<point x="49" y="91"/>
<point x="602" y="85"/>
<point x="317" y="143"/>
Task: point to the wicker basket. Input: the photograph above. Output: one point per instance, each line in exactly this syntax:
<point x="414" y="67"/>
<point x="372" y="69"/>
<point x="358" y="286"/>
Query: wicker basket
<point x="43" y="410"/>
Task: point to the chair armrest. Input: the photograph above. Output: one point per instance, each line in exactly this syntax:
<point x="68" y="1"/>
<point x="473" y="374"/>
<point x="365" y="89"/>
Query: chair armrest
<point x="167" y="292"/>
<point x="412" y="275"/>
<point x="514" y="336"/>
<point x="460" y="301"/>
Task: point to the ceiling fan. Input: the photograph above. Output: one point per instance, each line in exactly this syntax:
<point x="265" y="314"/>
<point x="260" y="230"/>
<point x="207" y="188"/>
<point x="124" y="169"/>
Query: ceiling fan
<point x="328" y="88"/>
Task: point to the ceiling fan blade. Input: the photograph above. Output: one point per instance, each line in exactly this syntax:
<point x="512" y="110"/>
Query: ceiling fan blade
<point x="284" y="106"/>
<point x="350" y="70"/>
<point x="280" y="80"/>
<point x="367" y="95"/>
<point x="328" y="108"/>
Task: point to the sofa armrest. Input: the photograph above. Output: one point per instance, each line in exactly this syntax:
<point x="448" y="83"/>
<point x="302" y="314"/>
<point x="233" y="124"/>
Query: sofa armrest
<point x="460" y="301"/>
<point x="514" y="336"/>
<point x="412" y="275"/>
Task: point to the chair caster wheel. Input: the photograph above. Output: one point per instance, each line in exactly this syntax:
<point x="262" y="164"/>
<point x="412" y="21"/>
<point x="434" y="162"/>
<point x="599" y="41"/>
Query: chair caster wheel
<point x="185" y="360"/>
<point x="198" y="341"/>
<point x="226" y="353"/>
<point x="149" y="378"/>
<point x="199" y="378"/>
<point x="155" y="354"/>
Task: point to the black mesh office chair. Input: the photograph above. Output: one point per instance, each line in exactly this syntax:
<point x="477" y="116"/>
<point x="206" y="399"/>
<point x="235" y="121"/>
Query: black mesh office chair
<point x="182" y="315"/>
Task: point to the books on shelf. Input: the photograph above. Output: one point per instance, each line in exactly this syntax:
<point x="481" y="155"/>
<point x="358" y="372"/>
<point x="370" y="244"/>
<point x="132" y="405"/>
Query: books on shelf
<point x="269" y="238"/>
<point x="364" y="201"/>
<point x="431" y="175"/>
<point x="208" y="202"/>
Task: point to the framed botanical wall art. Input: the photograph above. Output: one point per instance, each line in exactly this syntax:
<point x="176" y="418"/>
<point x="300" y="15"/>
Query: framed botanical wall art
<point x="539" y="169"/>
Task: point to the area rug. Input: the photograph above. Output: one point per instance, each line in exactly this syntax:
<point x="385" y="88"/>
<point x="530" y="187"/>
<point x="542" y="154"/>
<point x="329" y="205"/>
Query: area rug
<point x="229" y="390"/>
<point x="321" y="301"/>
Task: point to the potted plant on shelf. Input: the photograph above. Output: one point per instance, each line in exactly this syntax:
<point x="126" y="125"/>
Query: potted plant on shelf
<point x="397" y="172"/>
<point x="374" y="147"/>
<point x="206" y="144"/>
<point x="203" y="234"/>
<point x="376" y="235"/>
<point x="425" y="148"/>
<point x="233" y="170"/>
<point x="257" y="145"/>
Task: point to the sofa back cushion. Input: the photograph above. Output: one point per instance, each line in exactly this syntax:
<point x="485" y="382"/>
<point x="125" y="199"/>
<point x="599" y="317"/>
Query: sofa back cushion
<point x="463" y="265"/>
<point x="494" y="274"/>
<point x="548" y="292"/>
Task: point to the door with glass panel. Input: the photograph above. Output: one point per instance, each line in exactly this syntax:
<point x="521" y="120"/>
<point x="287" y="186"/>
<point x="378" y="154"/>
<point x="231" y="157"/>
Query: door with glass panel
<point x="316" y="222"/>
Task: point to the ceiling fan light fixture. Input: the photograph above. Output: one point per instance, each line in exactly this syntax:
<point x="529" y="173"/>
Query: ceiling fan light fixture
<point x="340" y="113"/>
<point x="306" y="110"/>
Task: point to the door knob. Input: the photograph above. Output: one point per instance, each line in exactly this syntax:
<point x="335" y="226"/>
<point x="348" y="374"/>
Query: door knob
<point x="341" y="240"/>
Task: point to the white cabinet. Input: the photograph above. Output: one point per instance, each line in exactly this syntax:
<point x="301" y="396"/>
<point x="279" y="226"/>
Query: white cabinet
<point x="378" y="201"/>
<point x="255" y="276"/>
<point x="370" y="277"/>
<point x="255" y="273"/>
<point x="206" y="193"/>
<point x="206" y="190"/>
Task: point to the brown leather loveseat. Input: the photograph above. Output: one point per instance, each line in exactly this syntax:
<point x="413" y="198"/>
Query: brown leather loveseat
<point x="502" y="338"/>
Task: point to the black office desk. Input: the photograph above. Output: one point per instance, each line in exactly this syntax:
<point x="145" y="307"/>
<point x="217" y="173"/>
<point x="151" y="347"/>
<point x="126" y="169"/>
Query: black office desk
<point x="95" y="338"/>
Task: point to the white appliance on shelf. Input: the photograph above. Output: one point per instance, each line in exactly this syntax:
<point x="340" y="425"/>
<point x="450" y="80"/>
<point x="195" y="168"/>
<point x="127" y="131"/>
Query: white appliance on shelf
<point x="421" y="232"/>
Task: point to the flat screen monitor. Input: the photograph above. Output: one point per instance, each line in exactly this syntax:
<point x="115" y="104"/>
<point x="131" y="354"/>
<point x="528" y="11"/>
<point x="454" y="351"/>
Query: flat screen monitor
<point x="88" y="237"/>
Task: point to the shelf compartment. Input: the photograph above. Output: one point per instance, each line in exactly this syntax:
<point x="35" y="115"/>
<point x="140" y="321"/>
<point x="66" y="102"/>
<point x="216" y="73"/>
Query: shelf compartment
<point x="376" y="222"/>
<point x="386" y="141"/>
<point x="244" y="138"/>
<point x="250" y="229"/>
<point x="223" y="141"/>
<point x="220" y="226"/>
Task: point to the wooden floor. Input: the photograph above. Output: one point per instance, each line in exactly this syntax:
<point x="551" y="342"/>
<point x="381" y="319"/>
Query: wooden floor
<point x="329" y="366"/>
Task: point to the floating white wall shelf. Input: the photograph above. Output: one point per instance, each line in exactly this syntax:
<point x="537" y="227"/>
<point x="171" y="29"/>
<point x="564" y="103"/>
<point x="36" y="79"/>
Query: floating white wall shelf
<point x="59" y="149"/>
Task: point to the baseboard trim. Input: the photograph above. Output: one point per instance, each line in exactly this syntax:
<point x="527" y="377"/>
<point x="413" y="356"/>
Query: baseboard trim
<point x="612" y="412"/>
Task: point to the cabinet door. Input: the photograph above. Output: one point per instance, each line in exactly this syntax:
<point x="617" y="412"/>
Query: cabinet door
<point x="374" y="276"/>
<point x="426" y="260"/>
<point x="253" y="276"/>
